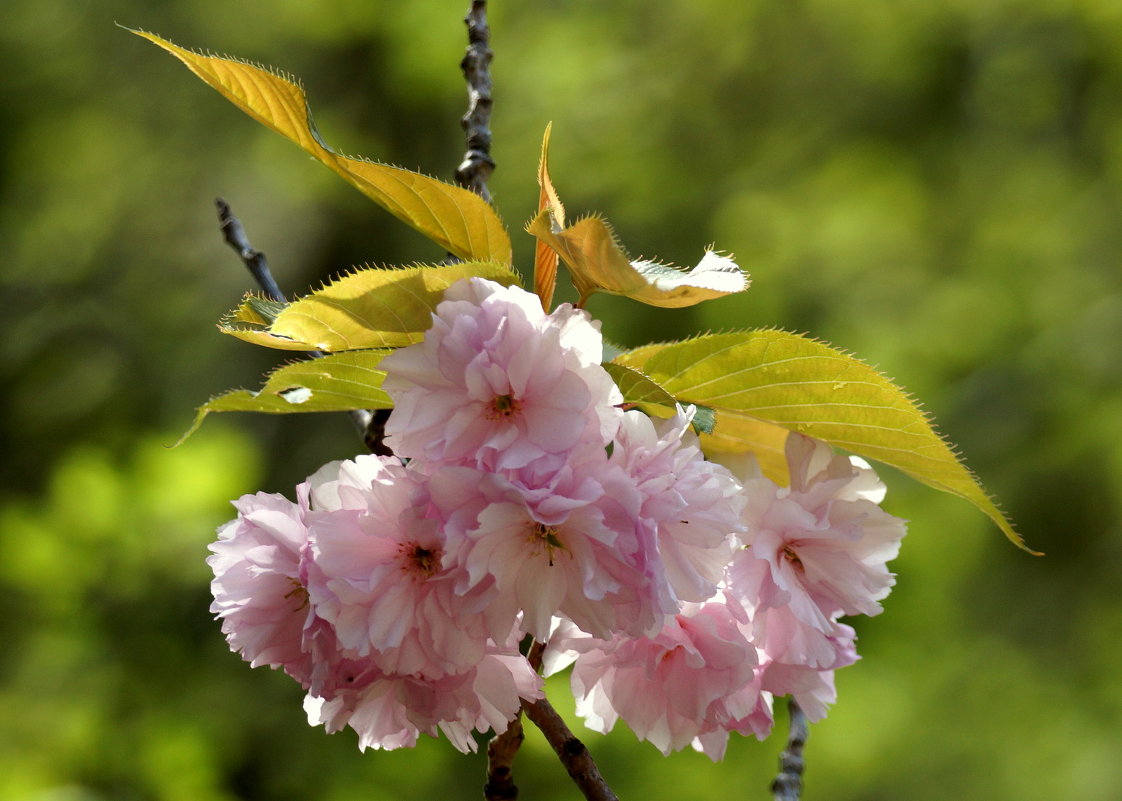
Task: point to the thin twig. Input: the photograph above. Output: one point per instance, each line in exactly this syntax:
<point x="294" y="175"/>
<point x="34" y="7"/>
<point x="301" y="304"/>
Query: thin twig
<point x="253" y="259"/>
<point x="788" y="783"/>
<point x="477" y="165"/>
<point x="371" y="423"/>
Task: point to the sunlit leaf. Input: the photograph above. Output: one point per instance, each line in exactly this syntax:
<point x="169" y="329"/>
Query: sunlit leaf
<point x="739" y="432"/>
<point x="456" y="219"/>
<point x="545" y="257"/>
<point x="335" y="383"/>
<point x="369" y="308"/>
<point x="598" y="263"/>
<point x="787" y="381"/>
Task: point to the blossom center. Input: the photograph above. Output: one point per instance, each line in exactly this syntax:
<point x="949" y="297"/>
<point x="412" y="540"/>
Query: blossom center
<point x="547" y="536"/>
<point x="503" y="407"/>
<point x="792" y="557"/>
<point x="298" y="591"/>
<point x="418" y="561"/>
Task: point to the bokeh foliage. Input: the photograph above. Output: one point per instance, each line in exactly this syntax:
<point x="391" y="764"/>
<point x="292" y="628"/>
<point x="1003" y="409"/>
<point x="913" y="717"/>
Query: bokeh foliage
<point x="934" y="186"/>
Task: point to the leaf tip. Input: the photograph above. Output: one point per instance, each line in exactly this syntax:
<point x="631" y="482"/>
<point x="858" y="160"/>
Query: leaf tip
<point x="198" y="421"/>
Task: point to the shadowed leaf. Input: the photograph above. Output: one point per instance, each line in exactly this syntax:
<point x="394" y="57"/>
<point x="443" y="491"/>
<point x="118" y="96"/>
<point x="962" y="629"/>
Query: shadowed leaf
<point x="643" y="393"/>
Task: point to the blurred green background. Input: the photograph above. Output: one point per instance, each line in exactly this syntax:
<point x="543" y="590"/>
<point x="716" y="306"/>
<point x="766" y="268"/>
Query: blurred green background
<point x="936" y="187"/>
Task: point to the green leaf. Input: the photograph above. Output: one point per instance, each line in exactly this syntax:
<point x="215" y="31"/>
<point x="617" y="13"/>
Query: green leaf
<point x="458" y="220"/>
<point x="641" y="392"/>
<point x="598" y="263"/>
<point x="336" y="383"/>
<point x="765" y="383"/>
<point x="704" y="419"/>
<point x="369" y="308"/>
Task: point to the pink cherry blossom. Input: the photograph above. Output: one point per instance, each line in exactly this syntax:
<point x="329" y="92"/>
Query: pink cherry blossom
<point x="748" y="712"/>
<point x="260" y="591"/>
<point x="346" y="484"/>
<point x="813" y="688"/>
<point x="379" y="574"/>
<point x="564" y="541"/>
<point x="497" y="383"/>
<point x="694" y="505"/>
<point x="257" y="588"/>
<point x="694" y="677"/>
<point x="390" y="711"/>
<point x="818" y="547"/>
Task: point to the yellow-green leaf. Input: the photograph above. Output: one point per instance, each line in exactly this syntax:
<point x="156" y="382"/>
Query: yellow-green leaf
<point x="458" y="220"/>
<point x="336" y="383"/>
<point x="738" y="432"/>
<point x="369" y="308"/>
<point x="598" y="263"/>
<point x="760" y="381"/>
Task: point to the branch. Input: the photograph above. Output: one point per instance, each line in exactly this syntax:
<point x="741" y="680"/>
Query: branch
<point x="571" y="751"/>
<point x="472" y="174"/>
<point x="501" y="752"/>
<point x="788" y="783"/>
<point x="477" y="165"/>
<point x="372" y="424"/>
<point x="254" y="260"/>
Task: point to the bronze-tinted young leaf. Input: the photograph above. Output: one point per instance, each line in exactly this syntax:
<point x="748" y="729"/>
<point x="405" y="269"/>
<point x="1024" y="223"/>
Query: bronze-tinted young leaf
<point x="369" y="308"/>
<point x="545" y="257"/>
<point x="598" y="263"/>
<point x="456" y="219"/>
<point x="787" y="381"/>
<point x="336" y="383"/>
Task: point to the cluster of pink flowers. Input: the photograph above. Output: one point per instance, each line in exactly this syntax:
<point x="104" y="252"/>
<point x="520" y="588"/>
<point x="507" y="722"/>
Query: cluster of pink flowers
<point x="524" y="500"/>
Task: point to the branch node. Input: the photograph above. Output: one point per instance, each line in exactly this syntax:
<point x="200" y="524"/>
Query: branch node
<point x="254" y="260"/>
<point x="477" y="166"/>
<point x="571" y="751"/>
